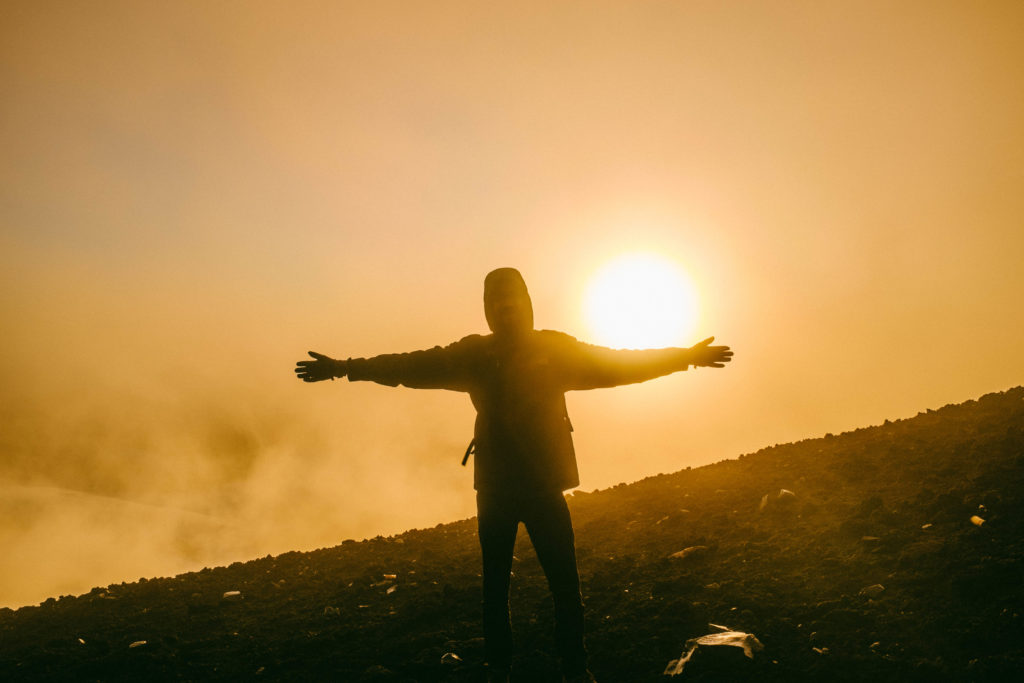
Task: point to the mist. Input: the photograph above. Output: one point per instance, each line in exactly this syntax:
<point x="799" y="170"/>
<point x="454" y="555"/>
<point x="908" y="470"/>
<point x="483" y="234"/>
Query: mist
<point x="114" y="488"/>
<point x="134" y="447"/>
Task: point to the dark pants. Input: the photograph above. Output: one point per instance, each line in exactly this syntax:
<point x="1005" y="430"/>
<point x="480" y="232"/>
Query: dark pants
<point x="546" y="517"/>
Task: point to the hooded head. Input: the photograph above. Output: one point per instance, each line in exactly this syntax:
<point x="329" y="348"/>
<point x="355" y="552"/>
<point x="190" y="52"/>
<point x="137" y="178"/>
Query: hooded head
<point x="507" y="304"/>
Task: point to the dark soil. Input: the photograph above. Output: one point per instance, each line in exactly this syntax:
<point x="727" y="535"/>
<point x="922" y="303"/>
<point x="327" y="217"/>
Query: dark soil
<point x="873" y="570"/>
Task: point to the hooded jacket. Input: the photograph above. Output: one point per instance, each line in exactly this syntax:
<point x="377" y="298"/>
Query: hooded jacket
<point x="523" y="434"/>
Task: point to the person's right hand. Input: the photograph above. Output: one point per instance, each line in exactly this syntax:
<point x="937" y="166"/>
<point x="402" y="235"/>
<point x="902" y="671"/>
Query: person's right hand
<point x="320" y="368"/>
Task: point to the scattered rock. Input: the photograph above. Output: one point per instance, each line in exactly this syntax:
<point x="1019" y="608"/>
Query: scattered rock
<point x="784" y="498"/>
<point x="691" y="553"/>
<point x="872" y="591"/>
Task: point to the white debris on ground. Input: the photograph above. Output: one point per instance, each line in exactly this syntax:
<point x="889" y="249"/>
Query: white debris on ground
<point x="745" y="641"/>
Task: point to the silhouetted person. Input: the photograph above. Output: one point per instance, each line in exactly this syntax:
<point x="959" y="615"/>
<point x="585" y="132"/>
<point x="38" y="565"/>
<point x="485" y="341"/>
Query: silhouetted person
<point x="517" y="378"/>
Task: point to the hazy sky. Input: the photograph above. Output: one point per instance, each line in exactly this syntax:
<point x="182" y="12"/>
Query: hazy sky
<point x="192" y="194"/>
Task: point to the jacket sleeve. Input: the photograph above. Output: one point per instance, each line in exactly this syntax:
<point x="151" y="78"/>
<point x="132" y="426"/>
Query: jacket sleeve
<point x="587" y="366"/>
<point x="448" y="367"/>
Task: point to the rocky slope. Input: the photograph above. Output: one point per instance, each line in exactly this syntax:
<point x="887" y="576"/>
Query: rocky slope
<point x="867" y="566"/>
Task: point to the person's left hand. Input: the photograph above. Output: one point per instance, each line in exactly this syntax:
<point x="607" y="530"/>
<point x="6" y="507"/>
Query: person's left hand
<point x="704" y="355"/>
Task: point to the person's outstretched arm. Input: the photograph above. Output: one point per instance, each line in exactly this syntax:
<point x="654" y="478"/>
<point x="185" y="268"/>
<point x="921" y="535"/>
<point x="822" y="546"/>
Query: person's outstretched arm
<point x="595" y="367"/>
<point x="436" y="368"/>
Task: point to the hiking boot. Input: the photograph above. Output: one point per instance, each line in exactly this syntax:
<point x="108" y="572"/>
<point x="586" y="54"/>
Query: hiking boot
<point x="585" y="677"/>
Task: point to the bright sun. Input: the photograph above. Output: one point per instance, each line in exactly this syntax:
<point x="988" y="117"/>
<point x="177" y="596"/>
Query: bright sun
<point x="641" y="301"/>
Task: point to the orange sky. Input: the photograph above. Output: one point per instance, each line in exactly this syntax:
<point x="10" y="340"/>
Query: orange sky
<point x="194" y="194"/>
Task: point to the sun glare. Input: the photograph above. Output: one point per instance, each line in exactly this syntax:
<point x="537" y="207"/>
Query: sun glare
<point x="641" y="301"/>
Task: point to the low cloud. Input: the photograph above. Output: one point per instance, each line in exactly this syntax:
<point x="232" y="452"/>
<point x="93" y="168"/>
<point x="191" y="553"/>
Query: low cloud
<point x="114" y="486"/>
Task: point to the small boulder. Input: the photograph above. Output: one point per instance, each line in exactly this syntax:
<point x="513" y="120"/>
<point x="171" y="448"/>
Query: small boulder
<point x="783" y="499"/>
<point x="691" y="553"/>
<point x="872" y="591"/>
